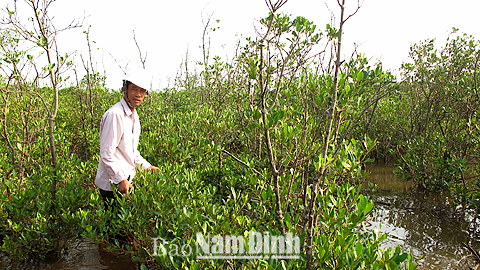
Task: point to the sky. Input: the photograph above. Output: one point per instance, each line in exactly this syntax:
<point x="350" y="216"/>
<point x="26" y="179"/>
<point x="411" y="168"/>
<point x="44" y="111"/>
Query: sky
<point x="166" y="30"/>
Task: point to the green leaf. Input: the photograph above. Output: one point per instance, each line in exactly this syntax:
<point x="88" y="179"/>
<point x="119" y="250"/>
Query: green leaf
<point x="288" y="220"/>
<point x="360" y="75"/>
<point x="368" y="208"/>
<point x="359" y="249"/>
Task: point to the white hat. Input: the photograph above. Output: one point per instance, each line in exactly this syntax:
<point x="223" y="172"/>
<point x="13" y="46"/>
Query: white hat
<point x="140" y="77"/>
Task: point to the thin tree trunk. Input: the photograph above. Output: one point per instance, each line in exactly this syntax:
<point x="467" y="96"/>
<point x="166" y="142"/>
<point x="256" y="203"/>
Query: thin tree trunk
<point x="51" y="125"/>
<point x="51" y="113"/>
<point x="371" y="116"/>
<point x="331" y="115"/>
<point x="271" y="156"/>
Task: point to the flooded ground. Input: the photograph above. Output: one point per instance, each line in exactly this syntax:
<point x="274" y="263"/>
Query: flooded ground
<point x="415" y="222"/>
<point x="81" y="255"/>
<point x="418" y="223"/>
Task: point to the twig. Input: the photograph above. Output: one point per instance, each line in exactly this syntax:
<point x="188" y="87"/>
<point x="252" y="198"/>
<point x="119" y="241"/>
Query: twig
<point x="475" y="254"/>
<point x="406" y="163"/>
<point x="124" y="70"/>
<point x="244" y="163"/>
<point x="142" y="59"/>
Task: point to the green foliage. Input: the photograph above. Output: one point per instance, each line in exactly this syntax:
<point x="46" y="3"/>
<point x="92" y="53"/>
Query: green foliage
<point x="236" y="145"/>
<point x="428" y="170"/>
<point x="435" y="132"/>
<point x="343" y="242"/>
<point x="29" y="227"/>
<point x="429" y="124"/>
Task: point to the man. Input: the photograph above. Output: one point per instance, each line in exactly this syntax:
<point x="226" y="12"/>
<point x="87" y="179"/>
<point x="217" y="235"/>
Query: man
<point x="119" y="136"/>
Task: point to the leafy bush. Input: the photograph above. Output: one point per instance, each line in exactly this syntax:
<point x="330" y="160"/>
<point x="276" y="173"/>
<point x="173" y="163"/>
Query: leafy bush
<point x="241" y="147"/>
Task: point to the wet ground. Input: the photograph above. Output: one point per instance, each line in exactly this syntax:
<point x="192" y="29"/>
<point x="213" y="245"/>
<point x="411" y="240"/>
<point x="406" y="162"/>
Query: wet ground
<point x="81" y="255"/>
<point x="418" y="222"/>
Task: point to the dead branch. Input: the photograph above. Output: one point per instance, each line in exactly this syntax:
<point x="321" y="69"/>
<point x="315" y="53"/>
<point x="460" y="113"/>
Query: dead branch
<point x="142" y="59"/>
<point x="242" y="162"/>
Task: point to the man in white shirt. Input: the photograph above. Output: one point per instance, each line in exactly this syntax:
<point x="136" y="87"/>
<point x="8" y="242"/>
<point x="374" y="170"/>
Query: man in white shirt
<point x="119" y="136"/>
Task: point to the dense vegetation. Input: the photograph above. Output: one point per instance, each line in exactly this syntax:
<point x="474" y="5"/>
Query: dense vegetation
<point x="273" y="141"/>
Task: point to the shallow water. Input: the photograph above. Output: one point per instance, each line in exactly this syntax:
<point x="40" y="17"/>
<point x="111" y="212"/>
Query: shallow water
<point x="415" y="222"/>
<point x="418" y="223"/>
<point x="81" y="255"/>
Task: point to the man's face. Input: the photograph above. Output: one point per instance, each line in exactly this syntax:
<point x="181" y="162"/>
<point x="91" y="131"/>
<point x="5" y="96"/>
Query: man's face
<point x="136" y="94"/>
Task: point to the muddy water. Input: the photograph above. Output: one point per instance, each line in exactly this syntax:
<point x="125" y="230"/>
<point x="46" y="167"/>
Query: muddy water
<point x="83" y="255"/>
<point x="419" y="223"/>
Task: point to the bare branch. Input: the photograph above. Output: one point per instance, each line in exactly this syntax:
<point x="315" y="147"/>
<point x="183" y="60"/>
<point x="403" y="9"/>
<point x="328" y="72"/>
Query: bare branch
<point x="242" y="162"/>
<point x="206" y="51"/>
<point x="124" y="70"/>
<point x="274" y="7"/>
<point x="359" y="5"/>
<point x="142" y="59"/>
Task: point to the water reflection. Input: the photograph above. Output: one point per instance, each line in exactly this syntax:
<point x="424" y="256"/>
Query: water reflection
<point x="86" y="255"/>
<point x="82" y="254"/>
<point x="417" y="222"/>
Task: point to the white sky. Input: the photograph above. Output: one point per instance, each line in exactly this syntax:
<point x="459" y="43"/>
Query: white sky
<point x="384" y="29"/>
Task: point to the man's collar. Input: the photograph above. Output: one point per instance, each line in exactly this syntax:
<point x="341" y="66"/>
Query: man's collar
<point x="126" y="109"/>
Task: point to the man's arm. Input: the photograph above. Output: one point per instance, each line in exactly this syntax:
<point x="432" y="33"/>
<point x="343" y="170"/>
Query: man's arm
<point x="145" y="164"/>
<point x="111" y="130"/>
<point x="139" y="160"/>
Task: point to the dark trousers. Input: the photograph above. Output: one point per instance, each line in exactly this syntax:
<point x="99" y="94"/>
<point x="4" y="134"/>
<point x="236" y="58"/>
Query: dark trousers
<point x="110" y="199"/>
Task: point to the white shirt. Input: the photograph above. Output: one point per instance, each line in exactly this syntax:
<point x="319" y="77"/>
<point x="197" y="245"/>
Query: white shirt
<point x="119" y="157"/>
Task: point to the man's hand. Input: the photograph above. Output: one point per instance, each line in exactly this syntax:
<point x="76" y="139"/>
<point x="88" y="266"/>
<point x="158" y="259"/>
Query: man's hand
<point x="153" y="169"/>
<point x="124" y="186"/>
